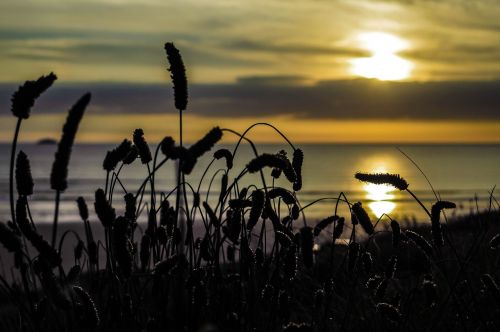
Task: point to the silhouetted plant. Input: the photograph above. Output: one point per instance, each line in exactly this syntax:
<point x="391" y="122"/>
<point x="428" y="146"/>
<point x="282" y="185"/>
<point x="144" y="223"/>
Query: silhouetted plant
<point x="243" y="255"/>
<point x="59" y="174"/>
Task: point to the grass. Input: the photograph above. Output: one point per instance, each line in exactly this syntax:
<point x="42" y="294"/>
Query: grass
<point x="233" y="276"/>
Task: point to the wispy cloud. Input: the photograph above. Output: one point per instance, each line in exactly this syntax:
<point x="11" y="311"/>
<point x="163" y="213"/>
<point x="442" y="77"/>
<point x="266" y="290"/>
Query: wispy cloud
<point x="102" y="40"/>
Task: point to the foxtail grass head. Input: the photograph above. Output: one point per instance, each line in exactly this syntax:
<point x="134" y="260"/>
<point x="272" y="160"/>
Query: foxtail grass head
<point x="113" y="157"/>
<point x="178" y="75"/>
<point x="359" y="213"/>
<point x="142" y="146"/>
<point x="394" y="180"/>
<point x="24" y="180"/>
<point x="82" y="208"/>
<point x="298" y="158"/>
<point x="24" y="98"/>
<point x="58" y="177"/>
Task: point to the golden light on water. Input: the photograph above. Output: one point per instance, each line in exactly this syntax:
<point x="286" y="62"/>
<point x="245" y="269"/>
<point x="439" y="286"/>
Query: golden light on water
<point x="385" y="63"/>
<point x="380" y="196"/>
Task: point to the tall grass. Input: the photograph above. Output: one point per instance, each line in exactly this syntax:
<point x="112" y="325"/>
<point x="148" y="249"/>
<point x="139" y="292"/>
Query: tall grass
<point x="255" y="265"/>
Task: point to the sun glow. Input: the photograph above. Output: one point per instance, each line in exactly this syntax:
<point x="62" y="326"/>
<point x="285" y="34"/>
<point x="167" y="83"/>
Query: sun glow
<point x="380" y="196"/>
<point x="384" y="64"/>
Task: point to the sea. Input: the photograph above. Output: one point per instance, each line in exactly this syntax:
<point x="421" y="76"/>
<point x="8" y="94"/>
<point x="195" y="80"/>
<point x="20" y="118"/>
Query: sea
<point x="464" y="174"/>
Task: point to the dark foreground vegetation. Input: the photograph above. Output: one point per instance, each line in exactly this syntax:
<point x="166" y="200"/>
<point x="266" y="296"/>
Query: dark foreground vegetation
<point x="255" y="266"/>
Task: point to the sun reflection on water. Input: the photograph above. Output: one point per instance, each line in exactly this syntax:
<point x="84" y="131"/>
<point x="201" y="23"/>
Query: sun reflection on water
<point x="380" y="197"/>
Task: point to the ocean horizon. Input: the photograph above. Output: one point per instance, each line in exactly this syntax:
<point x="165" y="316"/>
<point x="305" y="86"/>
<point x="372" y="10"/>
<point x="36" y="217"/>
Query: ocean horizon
<point x="458" y="173"/>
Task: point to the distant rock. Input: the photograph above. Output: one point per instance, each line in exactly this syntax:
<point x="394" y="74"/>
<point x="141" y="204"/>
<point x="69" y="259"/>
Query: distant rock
<point x="47" y="141"/>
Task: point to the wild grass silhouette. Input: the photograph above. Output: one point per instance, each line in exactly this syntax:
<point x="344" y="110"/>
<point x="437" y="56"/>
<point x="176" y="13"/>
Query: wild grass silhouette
<point x="233" y="276"/>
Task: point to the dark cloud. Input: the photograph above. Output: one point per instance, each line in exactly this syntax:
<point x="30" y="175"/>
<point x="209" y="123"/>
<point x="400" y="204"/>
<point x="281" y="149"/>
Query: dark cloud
<point x="455" y="53"/>
<point x="273" y="80"/>
<point x="289" y="48"/>
<point x="343" y="99"/>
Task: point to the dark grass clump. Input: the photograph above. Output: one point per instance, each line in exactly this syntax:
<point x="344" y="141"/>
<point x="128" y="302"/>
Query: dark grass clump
<point x="306" y="245"/>
<point x="396" y="233"/>
<point x="495" y="242"/>
<point x="9" y="239"/>
<point x="421" y="242"/>
<point x="237" y="252"/>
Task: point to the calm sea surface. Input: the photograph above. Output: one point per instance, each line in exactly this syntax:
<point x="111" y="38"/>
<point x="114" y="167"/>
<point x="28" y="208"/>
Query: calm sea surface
<point x="457" y="172"/>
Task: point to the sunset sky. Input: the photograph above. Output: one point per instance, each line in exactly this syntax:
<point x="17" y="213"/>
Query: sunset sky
<point x="323" y="71"/>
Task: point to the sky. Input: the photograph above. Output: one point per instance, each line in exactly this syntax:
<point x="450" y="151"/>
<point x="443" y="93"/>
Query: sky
<point x="346" y="71"/>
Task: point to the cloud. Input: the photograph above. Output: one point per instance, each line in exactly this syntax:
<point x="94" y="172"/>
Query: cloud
<point x="293" y="48"/>
<point x="272" y="96"/>
<point x="120" y="40"/>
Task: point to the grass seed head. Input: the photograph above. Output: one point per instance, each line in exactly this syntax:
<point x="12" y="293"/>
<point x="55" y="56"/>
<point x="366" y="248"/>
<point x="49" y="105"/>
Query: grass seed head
<point x="206" y="143"/>
<point x="167" y="145"/>
<point x="104" y="211"/>
<point x="91" y="314"/>
<point x="24" y="98"/>
<point x="227" y="155"/>
<point x="420" y="242"/>
<point x="59" y="174"/>
<point x="362" y="217"/>
<point x="389" y="311"/>
<point x="282" y="193"/>
<point x="324" y="223"/>
<point x="258" y="201"/>
<point x="142" y="146"/>
<point x="495" y="242"/>
<point x="131" y="156"/>
<point x="394" y="180"/>
<point x="266" y="160"/>
<point x="82" y="208"/>
<point x="24" y="179"/>
<point x="298" y="158"/>
<point x="338" y="229"/>
<point x="178" y="76"/>
<point x="116" y="155"/>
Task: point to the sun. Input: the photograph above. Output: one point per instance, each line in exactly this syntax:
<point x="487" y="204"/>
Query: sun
<point x="384" y="64"/>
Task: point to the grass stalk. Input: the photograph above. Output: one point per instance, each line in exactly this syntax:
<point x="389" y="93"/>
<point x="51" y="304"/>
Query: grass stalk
<point x="11" y="169"/>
